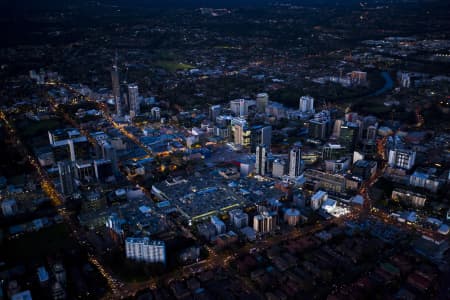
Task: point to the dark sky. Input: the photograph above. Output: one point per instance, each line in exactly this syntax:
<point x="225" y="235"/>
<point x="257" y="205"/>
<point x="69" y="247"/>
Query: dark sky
<point x="58" y="4"/>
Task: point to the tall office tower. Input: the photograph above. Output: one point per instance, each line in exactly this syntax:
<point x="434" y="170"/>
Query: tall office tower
<point x="116" y="85"/>
<point x="260" y="135"/>
<point x="214" y="112"/>
<point x="349" y="136"/>
<point x="103" y="170"/>
<point x="337" y="127"/>
<point x="306" y="104"/>
<point x="262" y="99"/>
<point x="239" y="107"/>
<point x="143" y="249"/>
<point x="79" y="148"/>
<point x="295" y="161"/>
<point x="133" y="100"/>
<point x="109" y="153"/>
<point x="317" y="129"/>
<point x="83" y="170"/>
<point x="261" y="160"/>
<point x="403" y="159"/>
<point x="66" y="177"/>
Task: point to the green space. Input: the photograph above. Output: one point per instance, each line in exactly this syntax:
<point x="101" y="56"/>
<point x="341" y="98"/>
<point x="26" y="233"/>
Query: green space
<point x="33" y="128"/>
<point x="172" y="66"/>
<point x="38" y="244"/>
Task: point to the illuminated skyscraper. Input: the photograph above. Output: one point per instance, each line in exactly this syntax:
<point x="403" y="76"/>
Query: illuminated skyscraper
<point x="261" y="160"/>
<point x="116" y="86"/>
<point x="295" y="161"/>
<point x="133" y="99"/>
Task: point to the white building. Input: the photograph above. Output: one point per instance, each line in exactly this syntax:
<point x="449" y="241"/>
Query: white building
<point x="292" y="216"/>
<point x="263" y="223"/>
<point x="239" y="107"/>
<point x="306" y="104"/>
<point x="403" y="159"/>
<point x="143" y="249"/>
<point x="261" y="160"/>
<point x="318" y="199"/>
<point x="133" y="100"/>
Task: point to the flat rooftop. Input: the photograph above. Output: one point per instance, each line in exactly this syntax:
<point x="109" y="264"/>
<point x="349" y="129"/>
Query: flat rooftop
<point x="208" y="194"/>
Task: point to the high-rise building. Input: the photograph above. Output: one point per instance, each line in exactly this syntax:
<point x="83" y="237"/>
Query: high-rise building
<point x="306" y="104"/>
<point x="333" y="151"/>
<point x="155" y="113"/>
<point x="79" y="148"/>
<point x="66" y="177"/>
<point x="261" y="160"/>
<point x="262" y="100"/>
<point x="349" y="136"/>
<point x="260" y="135"/>
<point x="61" y="151"/>
<point x="295" y="162"/>
<point x="68" y="144"/>
<point x="240" y="131"/>
<point x="403" y="159"/>
<point x="263" y="223"/>
<point x="214" y="112"/>
<point x="103" y="169"/>
<point x="83" y="170"/>
<point x="109" y="153"/>
<point x="371" y="132"/>
<point x="143" y="249"/>
<point x="279" y="168"/>
<point x="116" y="85"/>
<point x="317" y="129"/>
<point x="337" y="127"/>
<point x="239" y="107"/>
<point x="133" y="100"/>
<point x="292" y="216"/>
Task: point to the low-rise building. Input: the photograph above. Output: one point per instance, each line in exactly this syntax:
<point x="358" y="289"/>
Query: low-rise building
<point x="317" y="199"/>
<point x="408" y="197"/>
